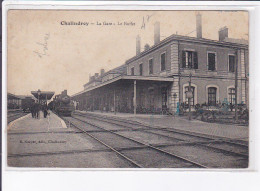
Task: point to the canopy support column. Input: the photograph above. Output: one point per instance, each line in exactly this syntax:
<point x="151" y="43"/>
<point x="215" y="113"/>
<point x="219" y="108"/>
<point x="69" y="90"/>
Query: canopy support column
<point x="135" y="97"/>
<point x="115" y="101"/>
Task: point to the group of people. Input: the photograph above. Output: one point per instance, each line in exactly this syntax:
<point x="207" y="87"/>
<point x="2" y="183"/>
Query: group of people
<point x="36" y="108"/>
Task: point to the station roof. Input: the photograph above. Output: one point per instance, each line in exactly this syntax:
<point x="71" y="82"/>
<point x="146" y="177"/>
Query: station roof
<point x="12" y="96"/>
<point x="228" y="43"/>
<point x="43" y="94"/>
<point x="126" y="77"/>
<point x="118" y="70"/>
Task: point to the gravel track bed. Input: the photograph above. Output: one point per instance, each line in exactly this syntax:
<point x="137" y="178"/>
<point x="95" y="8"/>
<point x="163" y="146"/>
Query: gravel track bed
<point x="147" y="157"/>
<point x="210" y="159"/>
<point x="79" y="160"/>
<point x="81" y="124"/>
<point x="148" y="138"/>
<point x="229" y="147"/>
<point x="105" y="125"/>
<point x="151" y="158"/>
<point x="115" y="140"/>
<point x="153" y="139"/>
<point x="178" y="135"/>
<point x="137" y="123"/>
<point x="154" y="159"/>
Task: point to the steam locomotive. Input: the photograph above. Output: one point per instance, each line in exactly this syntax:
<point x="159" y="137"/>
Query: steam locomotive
<point x="62" y="104"/>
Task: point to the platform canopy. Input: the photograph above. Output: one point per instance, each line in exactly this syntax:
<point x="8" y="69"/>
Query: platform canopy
<point x="42" y="95"/>
<point x="12" y="96"/>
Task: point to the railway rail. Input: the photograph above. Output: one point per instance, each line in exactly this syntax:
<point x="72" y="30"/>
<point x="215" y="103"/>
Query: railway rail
<point x="126" y="123"/>
<point x="127" y="139"/>
<point x="14" y="116"/>
<point x="214" y="143"/>
<point x="177" y="161"/>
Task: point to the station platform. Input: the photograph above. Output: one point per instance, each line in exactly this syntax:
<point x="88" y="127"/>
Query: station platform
<point x="29" y="124"/>
<point x="182" y="123"/>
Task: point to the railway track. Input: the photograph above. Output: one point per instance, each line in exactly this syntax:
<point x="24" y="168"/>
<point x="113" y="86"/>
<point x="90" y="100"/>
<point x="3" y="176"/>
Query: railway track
<point x="158" y="158"/>
<point x="126" y="123"/>
<point x="129" y="141"/>
<point x="211" y="143"/>
<point x="14" y="116"/>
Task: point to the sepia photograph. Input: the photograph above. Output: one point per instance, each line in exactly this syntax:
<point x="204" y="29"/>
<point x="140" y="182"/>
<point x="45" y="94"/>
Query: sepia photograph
<point x="127" y="89"/>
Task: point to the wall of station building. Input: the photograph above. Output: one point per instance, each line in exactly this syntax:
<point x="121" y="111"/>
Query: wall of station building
<point x="156" y="56"/>
<point x="221" y="78"/>
<point x="173" y="52"/>
<point x="201" y="89"/>
<point x="222" y="54"/>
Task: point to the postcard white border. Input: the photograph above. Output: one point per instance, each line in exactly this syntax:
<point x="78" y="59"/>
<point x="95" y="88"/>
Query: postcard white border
<point x="15" y="176"/>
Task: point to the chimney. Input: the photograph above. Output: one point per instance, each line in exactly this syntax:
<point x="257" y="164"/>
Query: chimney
<point x="96" y="75"/>
<point x="64" y="92"/>
<point x="146" y="46"/>
<point x="198" y="26"/>
<point x="138" y="45"/>
<point x="102" y="72"/>
<point x="156" y="32"/>
<point x="223" y="33"/>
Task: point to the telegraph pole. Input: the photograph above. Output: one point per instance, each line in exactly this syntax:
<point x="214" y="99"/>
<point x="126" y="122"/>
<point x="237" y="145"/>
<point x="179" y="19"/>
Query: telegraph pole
<point x="134" y="97"/>
<point x="115" y="101"/>
<point x="189" y="97"/>
<point x="236" y="75"/>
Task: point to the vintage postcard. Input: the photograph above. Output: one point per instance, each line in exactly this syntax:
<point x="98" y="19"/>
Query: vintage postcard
<point x="126" y="89"/>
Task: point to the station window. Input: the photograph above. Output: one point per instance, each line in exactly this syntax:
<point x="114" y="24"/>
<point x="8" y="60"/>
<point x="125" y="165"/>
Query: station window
<point x="231" y="63"/>
<point x="189" y="59"/>
<point x="133" y="71"/>
<point x="211" y="61"/>
<point x="212" y="96"/>
<point x="151" y="66"/>
<point x="191" y="99"/>
<point x="231" y="96"/>
<point x="141" y="69"/>
<point x="163" y="59"/>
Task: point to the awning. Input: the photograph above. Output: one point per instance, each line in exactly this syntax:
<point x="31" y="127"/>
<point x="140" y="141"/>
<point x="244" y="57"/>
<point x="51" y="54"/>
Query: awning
<point x="127" y="77"/>
<point x="12" y="96"/>
<point x="43" y="95"/>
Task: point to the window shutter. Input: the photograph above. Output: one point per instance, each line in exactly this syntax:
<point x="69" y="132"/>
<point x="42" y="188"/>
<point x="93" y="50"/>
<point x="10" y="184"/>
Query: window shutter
<point x="195" y="60"/>
<point x="183" y="59"/>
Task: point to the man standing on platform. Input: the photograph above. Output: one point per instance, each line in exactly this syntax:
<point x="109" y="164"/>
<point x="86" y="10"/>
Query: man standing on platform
<point x="45" y="111"/>
<point x="32" y="110"/>
<point x="37" y="110"/>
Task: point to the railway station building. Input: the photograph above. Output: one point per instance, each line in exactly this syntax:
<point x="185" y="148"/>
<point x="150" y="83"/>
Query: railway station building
<point x="156" y="80"/>
<point x="18" y="101"/>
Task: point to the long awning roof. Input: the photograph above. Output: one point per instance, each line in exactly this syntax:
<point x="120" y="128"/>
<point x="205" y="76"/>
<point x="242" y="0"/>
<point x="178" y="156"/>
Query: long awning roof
<point x="126" y="77"/>
<point x="43" y="94"/>
<point x="12" y="96"/>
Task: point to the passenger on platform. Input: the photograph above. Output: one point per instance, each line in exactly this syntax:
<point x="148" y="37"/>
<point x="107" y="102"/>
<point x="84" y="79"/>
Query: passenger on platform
<point x="32" y="110"/>
<point x="37" y="110"/>
<point x="45" y="111"/>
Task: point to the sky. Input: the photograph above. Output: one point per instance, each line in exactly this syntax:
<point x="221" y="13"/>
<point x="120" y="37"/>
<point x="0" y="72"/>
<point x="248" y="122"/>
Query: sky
<point x="44" y="54"/>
